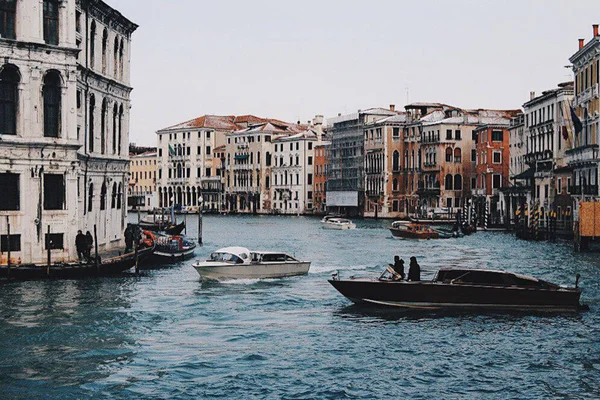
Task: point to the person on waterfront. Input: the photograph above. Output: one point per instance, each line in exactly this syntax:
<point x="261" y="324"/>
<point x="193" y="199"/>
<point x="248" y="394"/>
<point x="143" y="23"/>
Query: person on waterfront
<point x="128" y="238"/>
<point x="414" y="270"/>
<point x="80" y="245"/>
<point x="89" y="241"/>
<point x="399" y="267"/>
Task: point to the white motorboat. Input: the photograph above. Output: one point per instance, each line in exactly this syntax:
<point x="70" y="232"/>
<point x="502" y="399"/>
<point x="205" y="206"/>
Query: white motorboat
<point x="241" y="263"/>
<point x="334" y="222"/>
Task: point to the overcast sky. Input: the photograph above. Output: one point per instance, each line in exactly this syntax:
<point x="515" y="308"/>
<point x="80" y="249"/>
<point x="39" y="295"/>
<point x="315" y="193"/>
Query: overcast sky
<point x="292" y="60"/>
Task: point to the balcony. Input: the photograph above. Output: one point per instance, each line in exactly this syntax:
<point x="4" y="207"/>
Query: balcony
<point x="586" y="95"/>
<point x="545" y="155"/>
<point x="428" y="191"/>
<point x="582" y="155"/>
<point x="589" y="190"/>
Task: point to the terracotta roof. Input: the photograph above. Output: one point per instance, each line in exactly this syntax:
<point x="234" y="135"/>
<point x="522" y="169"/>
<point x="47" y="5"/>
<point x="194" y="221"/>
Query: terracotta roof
<point x="233" y="123"/>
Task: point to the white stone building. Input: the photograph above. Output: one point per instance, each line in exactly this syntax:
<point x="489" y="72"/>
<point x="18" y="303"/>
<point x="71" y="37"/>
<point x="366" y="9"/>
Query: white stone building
<point x="293" y="173"/>
<point x="46" y="169"/>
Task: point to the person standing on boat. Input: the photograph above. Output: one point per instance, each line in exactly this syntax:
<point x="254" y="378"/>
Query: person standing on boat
<point x="128" y="238"/>
<point x="414" y="270"/>
<point x="80" y="245"/>
<point x="399" y="267"/>
<point x="89" y="241"/>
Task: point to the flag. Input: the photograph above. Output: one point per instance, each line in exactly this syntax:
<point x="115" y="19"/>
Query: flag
<point x="565" y="133"/>
<point x="576" y="122"/>
<point x="171" y="151"/>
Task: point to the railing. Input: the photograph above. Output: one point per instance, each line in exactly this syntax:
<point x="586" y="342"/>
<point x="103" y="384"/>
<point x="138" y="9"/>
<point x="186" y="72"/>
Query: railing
<point x="544" y="155"/>
<point x="584" y="190"/>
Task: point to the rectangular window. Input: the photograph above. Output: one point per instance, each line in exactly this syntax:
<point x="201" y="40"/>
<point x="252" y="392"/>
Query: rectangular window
<point x="473" y="183"/>
<point x="309" y="179"/>
<point x="309" y="195"/>
<point x="310" y="145"/>
<point x="474" y="136"/>
<point x="569" y="185"/>
<point x="15" y="243"/>
<point x="396" y="133"/>
<point x="9" y="187"/>
<point x="310" y="160"/>
<point x="54" y="241"/>
<point x="208" y="150"/>
<point x="51" y="22"/>
<point x="395" y="205"/>
<point x="497" y="136"/>
<point x="457" y="134"/>
<point x="473" y="155"/>
<point x="559" y="186"/>
<point x="448" y="134"/>
<point x="496" y="181"/>
<point x="160" y="174"/>
<point x="189" y="150"/>
<point x="54" y="192"/>
<point x="208" y="172"/>
<point x="449" y="202"/>
<point x="497" y="157"/>
<point x="8" y="10"/>
<point x="160" y="152"/>
<point x="208" y="134"/>
<point x="188" y="172"/>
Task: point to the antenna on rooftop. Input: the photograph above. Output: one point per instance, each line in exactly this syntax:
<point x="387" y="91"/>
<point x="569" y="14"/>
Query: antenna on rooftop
<point x="407" y="97"/>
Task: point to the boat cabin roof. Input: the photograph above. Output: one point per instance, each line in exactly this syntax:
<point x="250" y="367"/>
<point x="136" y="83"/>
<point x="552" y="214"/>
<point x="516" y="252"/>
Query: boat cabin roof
<point x="242" y="254"/>
<point x="489" y="277"/>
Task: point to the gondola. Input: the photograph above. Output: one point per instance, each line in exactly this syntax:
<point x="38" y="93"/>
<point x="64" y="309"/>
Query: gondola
<point x="106" y="267"/>
<point x="168" y="228"/>
<point x="170" y="248"/>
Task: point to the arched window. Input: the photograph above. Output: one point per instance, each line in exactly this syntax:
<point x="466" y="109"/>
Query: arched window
<point x="8" y="11"/>
<point x="449" y="154"/>
<point x="121" y="59"/>
<point x="457" y="155"/>
<point x="104" y="46"/>
<point x="91" y="125"/>
<point x="51" y="22"/>
<point x="449" y="182"/>
<point x="395" y="185"/>
<point x="90" y="197"/>
<point x="179" y="170"/>
<point x="119" y="136"/>
<point x="51" y="94"/>
<point x="160" y="197"/>
<point x="9" y="81"/>
<point x="103" y="126"/>
<point x="93" y="44"/>
<point x="114" y="129"/>
<point x="396" y="161"/>
<point x="116" y="58"/>
<point x="119" y="195"/>
<point x="103" y="196"/>
<point x="457" y="182"/>
<point x="113" y="197"/>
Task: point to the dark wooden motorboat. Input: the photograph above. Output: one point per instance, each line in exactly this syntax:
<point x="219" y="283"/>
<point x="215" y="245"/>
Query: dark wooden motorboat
<point x="106" y="267"/>
<point x="463" y="289"/>
<point x="409" y="230"/>
<point x="171" y="248"/>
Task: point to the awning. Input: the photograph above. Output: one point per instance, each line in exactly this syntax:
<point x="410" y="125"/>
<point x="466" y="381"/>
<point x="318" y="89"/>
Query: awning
<point x="241" y="156"/>
<point x="528" y="174"/>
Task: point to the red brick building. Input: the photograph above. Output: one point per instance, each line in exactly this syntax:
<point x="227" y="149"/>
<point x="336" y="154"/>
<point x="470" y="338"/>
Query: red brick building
<point x="320" y="178"/>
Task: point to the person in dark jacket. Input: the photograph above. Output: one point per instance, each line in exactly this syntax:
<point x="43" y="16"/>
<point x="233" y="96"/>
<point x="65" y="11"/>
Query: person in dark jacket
<point x="89" y="242"/>
<point x="128" y="238"/>
<point x="399" y="267"/>
<point x="80" y="245"/>
<point x="414" y="270"/>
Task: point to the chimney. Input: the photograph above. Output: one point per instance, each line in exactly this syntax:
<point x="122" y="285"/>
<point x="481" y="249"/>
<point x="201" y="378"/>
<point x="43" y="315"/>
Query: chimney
<point x="595" y="27"/>
<point x="581" y="43"/>
<point x="392" y="107"/>
<point x="531" y="95"/>
<point x="318" y="124"/>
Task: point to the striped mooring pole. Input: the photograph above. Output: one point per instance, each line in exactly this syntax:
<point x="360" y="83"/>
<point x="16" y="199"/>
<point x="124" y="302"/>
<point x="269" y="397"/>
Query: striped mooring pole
<point x="486" y="216"/>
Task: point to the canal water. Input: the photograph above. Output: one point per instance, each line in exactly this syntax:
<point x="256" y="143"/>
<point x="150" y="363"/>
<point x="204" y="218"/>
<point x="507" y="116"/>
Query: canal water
<point x="164" y="334"/>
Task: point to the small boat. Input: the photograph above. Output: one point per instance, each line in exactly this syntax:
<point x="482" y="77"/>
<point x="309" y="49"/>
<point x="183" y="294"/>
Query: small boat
<point x="335" y="222"/>
<point x="171" y="229"/>
<point x="459" y="288"/>
<point x="171" y="248"/>
<point x="106" y="267"/>
<point x="241" y="263"/>
<point x="411" y="230"/>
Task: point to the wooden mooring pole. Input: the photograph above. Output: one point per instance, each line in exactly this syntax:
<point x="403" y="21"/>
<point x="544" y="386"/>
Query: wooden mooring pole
<point x="8" y="246"/>
<point x="96" y="249"/>
<point x="48" y="248"/>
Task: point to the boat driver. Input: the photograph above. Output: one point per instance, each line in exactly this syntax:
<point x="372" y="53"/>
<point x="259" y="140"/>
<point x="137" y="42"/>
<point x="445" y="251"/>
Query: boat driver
<point x="399" y="268"/>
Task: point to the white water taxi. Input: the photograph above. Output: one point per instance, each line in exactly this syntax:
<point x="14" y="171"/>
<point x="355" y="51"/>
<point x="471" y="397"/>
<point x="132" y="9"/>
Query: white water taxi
<point x="241" y="263"/>
<point x="334" y="222"/>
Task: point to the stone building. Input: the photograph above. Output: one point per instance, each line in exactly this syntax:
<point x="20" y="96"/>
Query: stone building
<point x="346" y="179"/>
<point x="142" y="181"/>
<point x="583" y="156"/>
<point x="320" y="180"/>
<point x="64" y="100"/>
<point x="292" y="173"/>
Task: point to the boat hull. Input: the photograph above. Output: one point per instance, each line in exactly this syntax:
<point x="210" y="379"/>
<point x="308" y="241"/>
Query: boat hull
<point x="167" y="256"/>
<point x="404" y="234"/>
<point x="438" y="295"/>
<point x="215" y="271"/>
<point x="338" y="227"/>
<point x="108" y="267"/>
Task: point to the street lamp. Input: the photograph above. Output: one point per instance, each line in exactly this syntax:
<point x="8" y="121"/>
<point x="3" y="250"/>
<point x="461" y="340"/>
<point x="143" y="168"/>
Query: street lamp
<point x="200" y="202"/>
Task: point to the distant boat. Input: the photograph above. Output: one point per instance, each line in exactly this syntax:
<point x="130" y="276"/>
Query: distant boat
<point x="338" y="223"/>
<point x="106" y="267"/>
<point x="241" y="263"/>
<point x="459" y="288"/>
<point x="411" y="230"/>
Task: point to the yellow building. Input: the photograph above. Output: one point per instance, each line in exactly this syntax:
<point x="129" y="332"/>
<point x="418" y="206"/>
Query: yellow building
<point x="142" y="181"/>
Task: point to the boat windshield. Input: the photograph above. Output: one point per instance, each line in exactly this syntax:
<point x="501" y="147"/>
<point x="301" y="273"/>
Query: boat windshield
<point x="226" y="257"/>
<point x="271" y="257"/>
